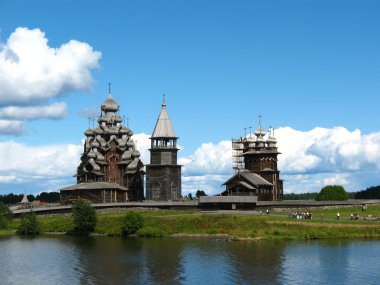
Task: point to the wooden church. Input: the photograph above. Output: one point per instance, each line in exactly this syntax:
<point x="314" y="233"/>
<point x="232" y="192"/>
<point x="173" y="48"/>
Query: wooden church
<point x="110" y="170"/>
<point x="256" y="172"/>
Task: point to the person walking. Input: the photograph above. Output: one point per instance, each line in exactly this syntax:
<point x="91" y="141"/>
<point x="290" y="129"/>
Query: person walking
<point x="337" y="216"/>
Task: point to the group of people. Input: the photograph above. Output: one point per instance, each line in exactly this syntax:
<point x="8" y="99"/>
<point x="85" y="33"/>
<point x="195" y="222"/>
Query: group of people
<point x="300" y="215"/>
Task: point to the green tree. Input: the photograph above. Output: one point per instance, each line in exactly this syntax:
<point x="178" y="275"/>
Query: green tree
<point x="200" y="193"/>
<point x="132" y="222"/>
<point x="6" y="216"/>
<point x="28" y="224"/>
<point x="84" y="218"/>
<point x="332" y="193"/>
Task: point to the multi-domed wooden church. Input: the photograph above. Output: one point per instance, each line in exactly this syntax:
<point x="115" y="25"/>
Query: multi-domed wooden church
<point x="110" y="170"/>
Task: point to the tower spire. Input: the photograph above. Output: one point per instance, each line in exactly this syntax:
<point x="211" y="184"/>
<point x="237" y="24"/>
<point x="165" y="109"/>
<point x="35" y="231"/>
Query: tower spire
<point x="163" y="100"/>
<point x="260" y="122"/>
<point x="109" y="88"/>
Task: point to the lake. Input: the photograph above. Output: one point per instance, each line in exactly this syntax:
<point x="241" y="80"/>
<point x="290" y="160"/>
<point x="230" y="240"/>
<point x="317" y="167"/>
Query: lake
<point x="113" y="260"/>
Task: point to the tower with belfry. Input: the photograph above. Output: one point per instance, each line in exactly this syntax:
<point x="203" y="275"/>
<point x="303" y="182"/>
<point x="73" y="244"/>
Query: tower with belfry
<point x="163" y="174"/>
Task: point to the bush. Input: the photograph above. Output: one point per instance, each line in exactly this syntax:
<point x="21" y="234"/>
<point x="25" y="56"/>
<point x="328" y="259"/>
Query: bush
<point x="28" y="224"/>
<point x="132" y="222"/>
<point x="84" y="218"/>
<point x="332" y="193"/>
<point x="6" y="216"/>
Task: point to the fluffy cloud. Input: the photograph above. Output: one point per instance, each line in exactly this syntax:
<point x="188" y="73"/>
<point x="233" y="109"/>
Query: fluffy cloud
<point x="327" y="150"/>
<point x="54" y="111"/>
<point x="142" y="143"/>
<point x="209" y="158"/>
<point x="13" y="128"/>
<point x="47" y="162"/>
<point x="31" y="71"/>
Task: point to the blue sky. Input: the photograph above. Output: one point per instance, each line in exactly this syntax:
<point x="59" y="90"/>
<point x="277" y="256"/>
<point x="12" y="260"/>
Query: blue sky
<point x="303" y="65"/>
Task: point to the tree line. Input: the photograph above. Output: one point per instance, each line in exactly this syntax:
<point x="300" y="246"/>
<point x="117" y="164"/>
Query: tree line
<point x="369" y="193"/>
<point x="48" y="197"/>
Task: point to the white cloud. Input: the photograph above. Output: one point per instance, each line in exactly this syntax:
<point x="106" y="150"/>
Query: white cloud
<point x="54" y="111"/>
<point x="327" y="150"/>
<point x="8" y="178"/>
<point x="142" y="143"/>
<point x="32" y="71"/>
<point x="209" y="158"/>
<point x="337" y="179"/>
<point x="14" y="128"/>
<point x="42" y="162"/>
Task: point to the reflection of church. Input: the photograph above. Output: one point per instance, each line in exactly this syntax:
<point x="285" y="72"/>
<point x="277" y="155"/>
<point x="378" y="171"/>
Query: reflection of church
<point x="110" y="168"/>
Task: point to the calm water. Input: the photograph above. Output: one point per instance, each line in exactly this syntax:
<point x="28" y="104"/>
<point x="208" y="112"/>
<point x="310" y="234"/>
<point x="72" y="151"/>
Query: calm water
<point x="104" y="260"/>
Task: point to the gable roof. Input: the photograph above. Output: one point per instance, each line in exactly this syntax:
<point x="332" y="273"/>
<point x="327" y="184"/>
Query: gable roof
<point x="251" y="177"/>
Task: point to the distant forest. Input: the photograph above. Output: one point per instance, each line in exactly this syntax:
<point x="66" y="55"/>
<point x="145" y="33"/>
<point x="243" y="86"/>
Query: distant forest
<point x="10" y="199"/>
<point x="369" y="193"/>
<point x="311" y="196"/>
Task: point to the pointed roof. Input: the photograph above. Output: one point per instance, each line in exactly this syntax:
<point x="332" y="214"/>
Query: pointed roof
<point x="24" y="200"/>
<point x="164" y="127"/>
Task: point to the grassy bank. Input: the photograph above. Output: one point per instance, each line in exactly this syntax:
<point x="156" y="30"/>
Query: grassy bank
<point x="274" y="226"/>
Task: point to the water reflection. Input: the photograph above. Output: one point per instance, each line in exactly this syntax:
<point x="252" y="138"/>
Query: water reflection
<point x="103" y="260"/>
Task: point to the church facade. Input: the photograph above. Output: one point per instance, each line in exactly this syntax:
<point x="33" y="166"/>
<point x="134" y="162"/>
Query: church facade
<point x="163" y="174"/>
<point x="110" y="169"/>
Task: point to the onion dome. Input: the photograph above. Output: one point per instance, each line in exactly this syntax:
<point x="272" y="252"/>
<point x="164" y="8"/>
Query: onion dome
<point x="89" y="132"/>
<point x="130" y="133"/>
<point x="130" y="144"/>
<point x="260" y="132"/>
<point x="103" y="119"/>
<point x="271" y="139"/>
<point x="98" y="131"/>
<point x="118" y="119"/>
<point x="136" y="154"/>
<point x="109" y="105"/>
<point x="124" y="131"/>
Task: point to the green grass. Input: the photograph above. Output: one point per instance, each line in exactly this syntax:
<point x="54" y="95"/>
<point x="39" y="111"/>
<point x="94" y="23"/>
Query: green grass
<point x="164" y="223"/>
<point x="7" y="232"/>
<point x="345" y="213"/>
